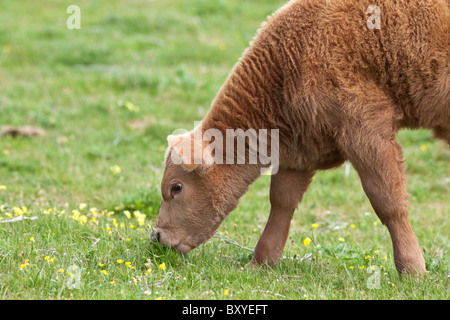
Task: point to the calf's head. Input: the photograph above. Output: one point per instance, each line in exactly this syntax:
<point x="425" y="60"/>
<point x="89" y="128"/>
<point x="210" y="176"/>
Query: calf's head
<point x="197" y="195"/>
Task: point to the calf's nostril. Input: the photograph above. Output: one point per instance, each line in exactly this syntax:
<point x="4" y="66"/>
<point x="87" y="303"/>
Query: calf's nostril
<point x="155" y="235"/>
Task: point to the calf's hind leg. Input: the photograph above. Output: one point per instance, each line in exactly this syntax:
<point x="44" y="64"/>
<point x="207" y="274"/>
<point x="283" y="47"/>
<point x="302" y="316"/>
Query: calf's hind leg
<point x="379" y="164"/>
<point x="286" y="191"/>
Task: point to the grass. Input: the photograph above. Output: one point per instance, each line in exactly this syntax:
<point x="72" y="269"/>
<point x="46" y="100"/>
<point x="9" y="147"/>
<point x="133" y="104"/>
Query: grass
<point x="107" y="96"/>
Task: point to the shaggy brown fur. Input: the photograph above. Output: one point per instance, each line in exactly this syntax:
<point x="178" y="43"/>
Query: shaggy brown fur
<point x="337" y="91"/>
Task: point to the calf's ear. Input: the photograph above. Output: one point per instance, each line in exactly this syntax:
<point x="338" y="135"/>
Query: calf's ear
<point x="184" y="151"/>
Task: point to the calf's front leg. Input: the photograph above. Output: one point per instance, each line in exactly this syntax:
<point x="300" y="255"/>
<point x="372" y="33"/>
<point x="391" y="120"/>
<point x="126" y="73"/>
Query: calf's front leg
<point x="286" y="191"/>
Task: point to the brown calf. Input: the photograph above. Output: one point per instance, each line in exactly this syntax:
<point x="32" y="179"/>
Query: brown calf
<point x="337" y="84"/>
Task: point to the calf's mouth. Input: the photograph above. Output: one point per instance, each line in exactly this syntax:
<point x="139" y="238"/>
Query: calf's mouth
<point x="157" y="236"/>
<point x="183" y="248"/>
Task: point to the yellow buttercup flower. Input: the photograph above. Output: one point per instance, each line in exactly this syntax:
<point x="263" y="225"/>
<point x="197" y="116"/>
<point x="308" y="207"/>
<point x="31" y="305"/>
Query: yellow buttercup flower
<point x="83" y="219"/>
<point x="131" y="107"/>
<point x="315" y="225"/>
<point x="140" y="217"/>
<point x="162" y="266"/>
<point x="137" y="214"/>
<point x="75" y="214"/>
<point x="307" y="241"/>
<point x="94" y="220"/>
<point x="115" y="170"/>
<point x="120" y="261"/>
<point x="226" y="292"/>
<point x="105" y="272"/>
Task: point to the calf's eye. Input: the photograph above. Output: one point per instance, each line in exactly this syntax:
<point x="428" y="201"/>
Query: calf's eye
<point x="176" y="188"/>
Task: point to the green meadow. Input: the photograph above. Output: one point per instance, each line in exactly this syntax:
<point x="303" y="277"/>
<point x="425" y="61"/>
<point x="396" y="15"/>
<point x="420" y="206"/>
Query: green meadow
<point x="77" y="203"/>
